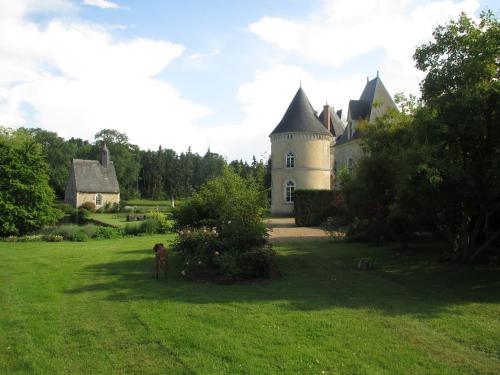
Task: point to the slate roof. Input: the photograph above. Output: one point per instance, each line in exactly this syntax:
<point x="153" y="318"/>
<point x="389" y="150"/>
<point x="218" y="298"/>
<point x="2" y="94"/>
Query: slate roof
<point x="337" y="126"/>
<point x="91" y="177"/>
<point x="359" y="109"/>
<point x="300" y="117"/>
<point x="373" y="102"/>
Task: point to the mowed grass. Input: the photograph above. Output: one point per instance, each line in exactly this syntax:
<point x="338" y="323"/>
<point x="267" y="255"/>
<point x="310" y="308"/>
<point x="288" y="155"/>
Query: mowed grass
<point x="95" y="308"/>
<point x="118" y="220"/>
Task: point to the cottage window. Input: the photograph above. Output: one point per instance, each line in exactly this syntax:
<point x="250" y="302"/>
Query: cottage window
<point x="349" y="165"/>
<point x="98" y="200"/>
<point x="334" y="168"/>
<point x="290" y="160"/>
<point x="289" y="191"/>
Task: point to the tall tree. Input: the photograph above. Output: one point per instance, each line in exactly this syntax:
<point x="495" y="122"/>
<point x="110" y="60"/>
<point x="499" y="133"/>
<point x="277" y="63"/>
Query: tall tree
<point x="25" y="195"/>
<point x="462" y="94"/>
<point x="58" y="154"/>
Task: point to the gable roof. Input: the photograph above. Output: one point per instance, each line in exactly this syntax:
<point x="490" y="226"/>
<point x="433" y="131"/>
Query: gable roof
<point x="373" y="102"/>
<point x="359" y="109"/>
<point x="300" y="117"/>
<point x="91" y="177"/>
<point x="337" y="126"/>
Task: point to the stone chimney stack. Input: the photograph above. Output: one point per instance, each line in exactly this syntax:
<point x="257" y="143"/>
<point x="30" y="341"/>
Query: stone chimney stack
<point x="327" y="117"/>
<point x="105" y="156"/>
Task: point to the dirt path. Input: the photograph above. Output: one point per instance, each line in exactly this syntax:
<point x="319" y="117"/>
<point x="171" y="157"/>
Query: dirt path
<point x="284" y="229"/>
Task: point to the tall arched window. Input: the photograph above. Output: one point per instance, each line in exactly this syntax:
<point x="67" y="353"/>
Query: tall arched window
<point x="98" y="199"/>
<point x="289" y="191"/>
<point x="290" y="160"/>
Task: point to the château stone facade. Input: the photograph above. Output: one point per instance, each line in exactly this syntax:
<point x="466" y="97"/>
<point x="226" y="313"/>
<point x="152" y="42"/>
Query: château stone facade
<point x="308" y="151"/>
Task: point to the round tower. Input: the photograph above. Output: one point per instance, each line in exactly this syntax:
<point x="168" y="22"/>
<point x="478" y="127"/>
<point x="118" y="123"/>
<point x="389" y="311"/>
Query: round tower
<point x="300" y="154"/>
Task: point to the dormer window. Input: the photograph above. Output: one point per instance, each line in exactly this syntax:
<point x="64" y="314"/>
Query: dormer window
<point x="290" y="160"/>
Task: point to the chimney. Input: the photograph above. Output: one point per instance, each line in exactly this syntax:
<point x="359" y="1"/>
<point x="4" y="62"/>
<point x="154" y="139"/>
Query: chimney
<point x="105" y="156"/>
<point x="327" y="117"/>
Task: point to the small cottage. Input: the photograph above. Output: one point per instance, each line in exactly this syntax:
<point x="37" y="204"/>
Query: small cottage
<point x="92" y="181"/>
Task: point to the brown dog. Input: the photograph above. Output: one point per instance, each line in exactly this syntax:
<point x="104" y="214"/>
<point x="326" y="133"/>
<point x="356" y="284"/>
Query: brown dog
<point x="160" y="259"/>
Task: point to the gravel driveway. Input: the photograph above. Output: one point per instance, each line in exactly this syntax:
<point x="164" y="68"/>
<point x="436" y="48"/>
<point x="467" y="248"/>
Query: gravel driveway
<point x="284" y="229"/>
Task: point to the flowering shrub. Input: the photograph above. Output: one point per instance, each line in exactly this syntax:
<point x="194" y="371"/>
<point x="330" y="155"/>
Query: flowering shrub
<point x="223" y="256"/>
<point x="89" y="206"/>
<point x="224" y="237"/>
<point x="52" y="238"/>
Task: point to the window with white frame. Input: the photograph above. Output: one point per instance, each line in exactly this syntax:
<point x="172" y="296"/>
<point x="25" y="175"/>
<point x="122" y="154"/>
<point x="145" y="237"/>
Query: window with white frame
<point x="289" y="191"/>
<point x="98" y="200"/>
<point x="290" y="160"/>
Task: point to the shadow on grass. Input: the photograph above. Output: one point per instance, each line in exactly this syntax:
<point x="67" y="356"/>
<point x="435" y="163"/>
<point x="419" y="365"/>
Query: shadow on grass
<point x="316" y="276"/>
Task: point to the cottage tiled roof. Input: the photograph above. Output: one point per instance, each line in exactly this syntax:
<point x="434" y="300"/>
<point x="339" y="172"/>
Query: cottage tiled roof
<point x="91" y="177"/>
<point x="300" y="117"/>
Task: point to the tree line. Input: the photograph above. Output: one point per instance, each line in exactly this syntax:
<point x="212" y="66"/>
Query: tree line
<point x="151" y="174"/>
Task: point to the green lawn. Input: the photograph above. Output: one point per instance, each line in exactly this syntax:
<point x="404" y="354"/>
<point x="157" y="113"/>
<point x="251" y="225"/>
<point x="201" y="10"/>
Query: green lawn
<point x="94" y="308"/>
<point x="116" y="219"/>
<point x="148" y="202"/>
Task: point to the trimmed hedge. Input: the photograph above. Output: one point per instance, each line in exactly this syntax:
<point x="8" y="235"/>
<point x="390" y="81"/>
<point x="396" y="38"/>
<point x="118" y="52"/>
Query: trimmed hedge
<point x="313" y="207"/>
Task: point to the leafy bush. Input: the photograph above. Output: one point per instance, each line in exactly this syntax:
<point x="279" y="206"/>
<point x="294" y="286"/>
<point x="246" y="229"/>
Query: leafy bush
<point x="312" y="207"/>
<point x="132" y="230"/>
<point x="65" y="208"/>
<point x="89" y="206"/>
<point x="164" y="223"/>
<point x="257" y="263"/>
<point x="207" y="254"/>
<point x="73" y="232"/>
<point x="30" y="238"/>
<point x="156" y="222"/>
<point x="107" y="232"/>
<point x="52" y="238"/>
<point x="199" y="249"/>
<point x="25" y="195"/>
<point x="150" y="226"/>
<point x="233" y="245"/>
<point x="79" y="216"/>
<point x="222" y="199"/>
<point x="111" y="207"/>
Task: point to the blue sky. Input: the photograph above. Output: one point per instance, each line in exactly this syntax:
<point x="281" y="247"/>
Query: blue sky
<point x="216" y="74"/>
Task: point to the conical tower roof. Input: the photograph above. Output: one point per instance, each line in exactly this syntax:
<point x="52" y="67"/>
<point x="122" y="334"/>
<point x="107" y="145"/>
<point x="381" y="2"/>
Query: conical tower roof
<point x="300" y="117"/>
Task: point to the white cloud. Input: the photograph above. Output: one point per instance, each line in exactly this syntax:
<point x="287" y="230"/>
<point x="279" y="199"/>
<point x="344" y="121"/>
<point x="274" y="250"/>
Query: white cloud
<point x="77" y="79"/>
<point x="193" y="57"/>
<point x="343" y="30"/>
<point x="103" y="4"/>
